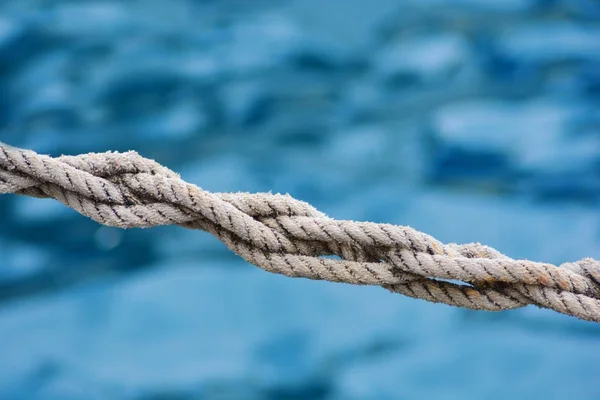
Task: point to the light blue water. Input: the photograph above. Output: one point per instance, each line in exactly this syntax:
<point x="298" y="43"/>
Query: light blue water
<point x="471" y="120"/>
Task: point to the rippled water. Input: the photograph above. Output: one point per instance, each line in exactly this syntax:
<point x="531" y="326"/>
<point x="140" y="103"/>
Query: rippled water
<point x="471" y="120"/>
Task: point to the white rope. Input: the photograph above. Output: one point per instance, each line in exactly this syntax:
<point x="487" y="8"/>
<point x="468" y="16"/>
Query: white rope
<point x="286" y="236"/>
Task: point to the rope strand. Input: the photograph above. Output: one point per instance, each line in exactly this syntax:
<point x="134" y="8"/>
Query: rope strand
<point x="286" y="236"/>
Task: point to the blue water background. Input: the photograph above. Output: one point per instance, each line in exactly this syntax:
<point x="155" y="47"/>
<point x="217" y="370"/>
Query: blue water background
<point x="470" y="120"/>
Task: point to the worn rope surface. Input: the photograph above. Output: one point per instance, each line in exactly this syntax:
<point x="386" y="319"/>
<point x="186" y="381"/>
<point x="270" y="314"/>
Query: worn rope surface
<point x="286" y="236"/>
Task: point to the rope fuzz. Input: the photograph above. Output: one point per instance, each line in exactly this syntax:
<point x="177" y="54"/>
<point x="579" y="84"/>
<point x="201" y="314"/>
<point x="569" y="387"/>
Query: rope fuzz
<point x="286" y="236"/>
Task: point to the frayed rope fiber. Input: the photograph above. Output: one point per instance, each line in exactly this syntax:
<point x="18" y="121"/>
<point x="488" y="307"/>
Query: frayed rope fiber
<point x="286" y="236"/>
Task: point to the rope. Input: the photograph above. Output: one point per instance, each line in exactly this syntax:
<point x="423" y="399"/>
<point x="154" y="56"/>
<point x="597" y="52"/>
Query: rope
<point x="286" y="236"/>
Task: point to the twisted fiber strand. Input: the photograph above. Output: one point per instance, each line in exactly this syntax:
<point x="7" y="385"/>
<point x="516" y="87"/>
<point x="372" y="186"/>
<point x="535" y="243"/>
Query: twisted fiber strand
<point x="286" y="236"/>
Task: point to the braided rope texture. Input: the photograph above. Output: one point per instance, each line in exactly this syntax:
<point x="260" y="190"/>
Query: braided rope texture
<point x="286" y="236"/>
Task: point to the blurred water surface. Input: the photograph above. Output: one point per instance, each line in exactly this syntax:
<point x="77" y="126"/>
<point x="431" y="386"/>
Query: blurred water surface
<point x="471" y="120"/>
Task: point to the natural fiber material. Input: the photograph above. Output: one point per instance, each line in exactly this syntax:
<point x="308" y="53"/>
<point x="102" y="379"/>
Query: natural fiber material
<point x="286" y="236"/>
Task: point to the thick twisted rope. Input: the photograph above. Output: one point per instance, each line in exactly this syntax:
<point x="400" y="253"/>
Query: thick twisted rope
<point x="286" y="236"/>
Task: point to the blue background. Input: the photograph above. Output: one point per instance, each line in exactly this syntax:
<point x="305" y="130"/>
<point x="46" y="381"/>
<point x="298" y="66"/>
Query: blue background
<point x="470" y="120"/>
